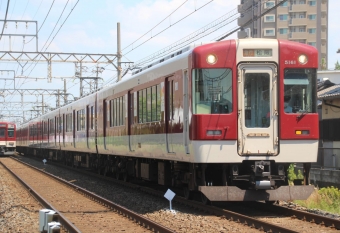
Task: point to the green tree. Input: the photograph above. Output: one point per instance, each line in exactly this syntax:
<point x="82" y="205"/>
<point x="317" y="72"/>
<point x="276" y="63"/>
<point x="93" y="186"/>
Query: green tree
<point x="323" y="64"/>
<point x="291" y="174"/>
<point x="337" y="65"/>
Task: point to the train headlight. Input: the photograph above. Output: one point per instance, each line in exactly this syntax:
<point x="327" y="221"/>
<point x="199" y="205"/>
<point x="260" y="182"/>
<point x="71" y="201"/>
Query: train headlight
<point x="303" y="59"/>
<point x="211" y="59"/>
<point x="301" y="132"/>
<point x="214" y="132"/>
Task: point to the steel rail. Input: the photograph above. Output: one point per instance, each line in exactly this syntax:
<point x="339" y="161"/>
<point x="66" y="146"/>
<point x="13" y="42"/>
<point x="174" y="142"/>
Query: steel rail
<point x="230" y="215"/>
<point x="306" y="216"/>
<point x="147" y="223"/>
<point x="61" y="218"/>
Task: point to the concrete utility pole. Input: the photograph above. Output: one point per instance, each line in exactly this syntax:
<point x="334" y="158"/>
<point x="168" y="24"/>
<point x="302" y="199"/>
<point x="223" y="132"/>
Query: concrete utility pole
<point x="119" y="54"/>
<point x="65" y="89"/>
<point x="81" y="80"/>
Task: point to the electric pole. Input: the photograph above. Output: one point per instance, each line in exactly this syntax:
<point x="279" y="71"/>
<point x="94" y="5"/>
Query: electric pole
<point x="119" y="54"/>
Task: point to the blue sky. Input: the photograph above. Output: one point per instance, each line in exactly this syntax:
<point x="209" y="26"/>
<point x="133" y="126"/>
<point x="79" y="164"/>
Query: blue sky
<point x="92" y="25"/>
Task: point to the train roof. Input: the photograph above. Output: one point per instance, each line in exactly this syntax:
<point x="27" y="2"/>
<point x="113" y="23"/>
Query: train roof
<point x="174" y="54"/>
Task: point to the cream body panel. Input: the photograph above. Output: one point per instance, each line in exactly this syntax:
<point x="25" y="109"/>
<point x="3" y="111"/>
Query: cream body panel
<point x="292" y="151"/>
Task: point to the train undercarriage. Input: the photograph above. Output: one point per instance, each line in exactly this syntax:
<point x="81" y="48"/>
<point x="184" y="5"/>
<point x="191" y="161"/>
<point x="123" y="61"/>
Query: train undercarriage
<point x="246" y="181"/>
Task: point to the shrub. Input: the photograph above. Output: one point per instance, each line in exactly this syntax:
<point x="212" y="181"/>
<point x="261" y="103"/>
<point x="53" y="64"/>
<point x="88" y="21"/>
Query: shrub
<point x="327" y="199"/>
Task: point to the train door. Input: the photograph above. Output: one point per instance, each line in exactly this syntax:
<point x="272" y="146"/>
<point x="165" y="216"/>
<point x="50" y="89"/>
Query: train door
<point x="185" y="111"/>
<point x="130" y="118"/>
<point x="56" y="128"/>
<point x="87" y="125"/>
<point x="48" y="132"/>
<point x="105" y="105"/>
<point x="63" y="129"/>
<point x="33" y="139"/>
<point x="257" y="108"/>
<point x="41" y="133"/>
<point x="169" y="113"/>
<point x="60" y="129"/>
<point x="74" y="128"/>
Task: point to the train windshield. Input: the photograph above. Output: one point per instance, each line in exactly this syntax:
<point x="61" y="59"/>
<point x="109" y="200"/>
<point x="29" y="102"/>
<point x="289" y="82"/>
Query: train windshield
<point x="300" y="91"/>
<point x="2" y="133"/>
<point x="212" y="91"/>
<point x="10" y="133"/>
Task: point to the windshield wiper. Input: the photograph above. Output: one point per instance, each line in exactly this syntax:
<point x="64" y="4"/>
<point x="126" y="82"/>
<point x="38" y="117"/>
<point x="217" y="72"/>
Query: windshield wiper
<point x="303" y="112"/>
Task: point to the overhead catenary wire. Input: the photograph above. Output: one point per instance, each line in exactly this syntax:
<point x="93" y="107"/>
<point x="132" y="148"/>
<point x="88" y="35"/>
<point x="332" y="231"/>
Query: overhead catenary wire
<point x="251" y="20"/>
<point x="3" y="27"/>
<point x="52" y="38"/>
<point x="43" y="21"/>
<point x="55" y="24"/>
<point x="155" y="25"/>
<point x="169" y="27"/>
<point x="13" y="9"/>
<point x="206" y="30"/>
<point x="38" y="9"/>
<point x="196" y="35"/>
<point x="56" y="32"/>
<point x="62" y="24"/>
<point x="49" y="35"/>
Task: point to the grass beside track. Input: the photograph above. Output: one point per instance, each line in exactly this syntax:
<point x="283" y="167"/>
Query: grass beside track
<point x="326" y="199"/>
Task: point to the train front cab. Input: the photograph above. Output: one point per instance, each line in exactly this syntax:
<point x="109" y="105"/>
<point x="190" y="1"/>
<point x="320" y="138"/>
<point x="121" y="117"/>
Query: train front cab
<point x="7" y="138"/>
<point x="273" y="100"/>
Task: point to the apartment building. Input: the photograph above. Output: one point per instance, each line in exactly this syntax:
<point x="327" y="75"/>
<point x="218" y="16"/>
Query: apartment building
<point x="303" y="21"/>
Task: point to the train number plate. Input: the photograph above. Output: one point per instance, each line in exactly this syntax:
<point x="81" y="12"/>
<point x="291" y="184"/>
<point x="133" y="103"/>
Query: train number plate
<point x="258" y="135"/>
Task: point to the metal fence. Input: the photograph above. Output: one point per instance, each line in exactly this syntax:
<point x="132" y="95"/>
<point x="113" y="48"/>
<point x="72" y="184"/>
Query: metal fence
<point x="328" y="158"/>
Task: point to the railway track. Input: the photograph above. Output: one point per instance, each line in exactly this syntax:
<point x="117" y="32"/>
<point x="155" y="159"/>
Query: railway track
<point x="303" y="218"/>
<point x="78" y="210"/>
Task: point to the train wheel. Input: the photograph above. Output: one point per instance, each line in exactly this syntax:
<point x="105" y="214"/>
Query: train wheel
<point x="205" y="200"/>
<point x="117" y="175"/>
<point x="187" y="193"/>
<point x="105" y="171"/>
<point x="125" y="176"/>
<point x="270" y="202"/>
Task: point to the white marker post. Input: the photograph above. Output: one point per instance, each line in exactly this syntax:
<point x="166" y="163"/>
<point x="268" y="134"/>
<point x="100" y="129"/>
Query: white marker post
<point x="44" y="161"/>
<point x="169" y="195"/>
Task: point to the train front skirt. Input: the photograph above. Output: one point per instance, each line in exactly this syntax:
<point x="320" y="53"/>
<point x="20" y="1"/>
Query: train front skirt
<point x="233" y="193"/>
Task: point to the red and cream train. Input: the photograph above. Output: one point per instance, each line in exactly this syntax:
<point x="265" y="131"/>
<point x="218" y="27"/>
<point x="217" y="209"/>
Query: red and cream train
<point x="7" y="138"/>
<point x="225" y="119"/>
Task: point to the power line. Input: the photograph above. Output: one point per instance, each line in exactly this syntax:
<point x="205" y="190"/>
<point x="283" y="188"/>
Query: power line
<point x="13" y="8"/>
<point x="156" y="25"/>
<point x="206" y="30"/>
<point x="44" y="19"/>
<point x="56" y="32"/>
<point x="3" y="27"/>
<point x="37" y="32"/>
<point x="198" y="34"/>
<point x="62" y="24"/>
<point x="37" y="9"/>
<point x="55" y="24"/>
<point x="251" y="20"/>
<point x="169" y="27"/>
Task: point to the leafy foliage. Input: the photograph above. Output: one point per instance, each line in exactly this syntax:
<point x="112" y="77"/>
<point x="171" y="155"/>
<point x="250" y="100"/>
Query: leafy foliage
<point x="323" y="64"/>
<point x="300" y="175"/>
<point x="327" y="199"/>
<point x="337" y="65"/>
<point x="291" y="174"/>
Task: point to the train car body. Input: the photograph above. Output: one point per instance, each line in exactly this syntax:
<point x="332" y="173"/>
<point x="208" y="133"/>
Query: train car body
<point x="7" y="138"/>
<point x="225" y="119"/>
